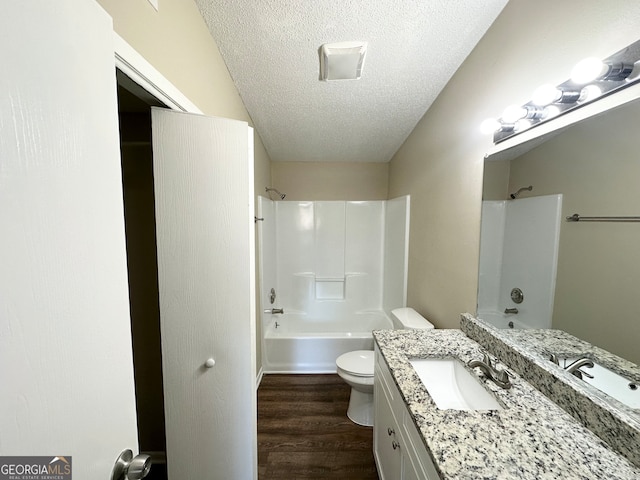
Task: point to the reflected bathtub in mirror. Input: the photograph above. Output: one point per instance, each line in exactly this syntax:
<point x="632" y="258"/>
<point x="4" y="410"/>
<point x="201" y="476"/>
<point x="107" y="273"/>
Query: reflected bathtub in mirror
<point x="594" y="165"/>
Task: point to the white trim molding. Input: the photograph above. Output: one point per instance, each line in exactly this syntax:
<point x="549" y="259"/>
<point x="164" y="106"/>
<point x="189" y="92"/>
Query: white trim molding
<point x="138" y="69"/>
<point x="259" y="378"/>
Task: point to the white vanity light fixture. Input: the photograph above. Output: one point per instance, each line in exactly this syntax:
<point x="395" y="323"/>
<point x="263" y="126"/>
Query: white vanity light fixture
<point x="550" y="111"/>
<point x="342" y="60"/>
<point x="513" y="113"/>
<point x="490" y="125"/>
<point x="591" y="69"/>
<point x="522" y="124"/>
<point x="590" y="79"/>
<point x="588" y="93"/>
<point x="547" y="94"/>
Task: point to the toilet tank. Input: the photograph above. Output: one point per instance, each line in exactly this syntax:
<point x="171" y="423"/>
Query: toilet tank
<point x="407" y="318"/>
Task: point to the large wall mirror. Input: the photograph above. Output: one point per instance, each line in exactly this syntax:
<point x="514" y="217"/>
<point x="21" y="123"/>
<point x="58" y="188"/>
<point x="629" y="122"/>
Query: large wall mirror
<point x="595" y="166"/>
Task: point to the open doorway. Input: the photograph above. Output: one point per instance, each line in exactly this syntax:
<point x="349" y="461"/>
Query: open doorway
<point x="134" y="113"/>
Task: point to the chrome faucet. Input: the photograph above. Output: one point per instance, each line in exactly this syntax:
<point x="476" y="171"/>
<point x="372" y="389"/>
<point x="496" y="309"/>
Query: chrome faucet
<point x="511" y="310"/>
<point x="499" y="377"/>
<point x="574" y="368"/>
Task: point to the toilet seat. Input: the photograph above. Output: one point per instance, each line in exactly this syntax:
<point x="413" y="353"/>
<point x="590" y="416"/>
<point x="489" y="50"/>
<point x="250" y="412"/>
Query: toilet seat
<point x="358" y="363"/>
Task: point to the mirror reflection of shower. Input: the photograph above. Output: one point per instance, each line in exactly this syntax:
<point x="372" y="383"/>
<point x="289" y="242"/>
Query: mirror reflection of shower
<point x="519" y="249"/>
<point x="517" y="194"/>
<point x="269" y="190"/>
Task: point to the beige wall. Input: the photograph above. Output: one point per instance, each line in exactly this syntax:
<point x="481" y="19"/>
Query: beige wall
<point x="596" y="168"/>
<point x="331" y="181"/>
<point x="175" y="40"/>
<point x="441" y="162"/>
<point x="495" y="185"/>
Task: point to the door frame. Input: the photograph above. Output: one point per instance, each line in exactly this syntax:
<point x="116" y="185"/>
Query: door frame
<point x="141" y="73"/>
<point x="138" y="69"/>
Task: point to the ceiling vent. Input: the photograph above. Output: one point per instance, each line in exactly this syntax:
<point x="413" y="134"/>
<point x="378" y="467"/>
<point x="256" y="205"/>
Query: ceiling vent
<point x="342" y="60"/>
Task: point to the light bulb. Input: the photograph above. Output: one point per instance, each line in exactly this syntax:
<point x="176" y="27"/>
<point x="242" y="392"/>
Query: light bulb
<point x="588" y="70"/>
<point x="513" y="113"/>
<point x="545" y="95"/>
<point x="521" y="125"/>
<point x="589" y="93"/>
<point x="489" y="126"/>
<point x="550" y="111"/>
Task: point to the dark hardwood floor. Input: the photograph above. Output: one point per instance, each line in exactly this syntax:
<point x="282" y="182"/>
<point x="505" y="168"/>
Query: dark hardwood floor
<point x="304" y="432"/>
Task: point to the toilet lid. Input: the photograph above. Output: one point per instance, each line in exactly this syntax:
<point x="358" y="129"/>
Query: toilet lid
<point x="358" y="363"/>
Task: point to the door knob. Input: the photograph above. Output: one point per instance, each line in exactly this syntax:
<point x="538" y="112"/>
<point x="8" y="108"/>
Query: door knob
<point x="209" y="363"/>
<point x="128" y="467"/>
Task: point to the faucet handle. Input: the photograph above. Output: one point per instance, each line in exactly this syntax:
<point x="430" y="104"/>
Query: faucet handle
<point x="487" y="360"/>
<point x="501" y="375"/>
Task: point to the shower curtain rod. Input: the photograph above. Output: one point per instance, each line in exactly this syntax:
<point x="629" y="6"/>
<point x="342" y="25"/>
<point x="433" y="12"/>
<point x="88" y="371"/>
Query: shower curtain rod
<point x="577" y="218"/>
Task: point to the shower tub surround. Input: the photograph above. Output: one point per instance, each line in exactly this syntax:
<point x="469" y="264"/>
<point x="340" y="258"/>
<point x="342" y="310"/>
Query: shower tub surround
<point x="509" y="228"/>
<point x="530" y="438"/>
<point x="338" y="269"/>
<point x="527" y="352"/>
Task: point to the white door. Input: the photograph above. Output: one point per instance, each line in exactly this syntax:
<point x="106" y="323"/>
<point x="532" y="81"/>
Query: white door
<point x="66" y="368"/>
<point x="203" y="174"/>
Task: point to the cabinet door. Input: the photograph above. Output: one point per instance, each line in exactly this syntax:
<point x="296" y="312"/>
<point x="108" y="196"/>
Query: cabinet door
<point x="409" y="471"/>
<point x="386" y="436"/>
<point x="423" y="467"/>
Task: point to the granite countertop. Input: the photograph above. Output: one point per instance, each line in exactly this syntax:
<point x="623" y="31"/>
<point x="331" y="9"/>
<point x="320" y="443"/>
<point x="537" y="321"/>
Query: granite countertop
<point x="563" y="344"/>
<point x="527" y="352"/>
<point x="530" y="438"/>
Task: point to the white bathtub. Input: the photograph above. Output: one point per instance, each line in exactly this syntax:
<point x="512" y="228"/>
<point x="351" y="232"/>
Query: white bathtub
<point x="300" y="344"/>
<point x="502" y="320"/>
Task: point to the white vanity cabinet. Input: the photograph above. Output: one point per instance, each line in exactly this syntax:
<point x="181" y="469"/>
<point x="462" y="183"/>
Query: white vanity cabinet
<point x="397" y="447"/>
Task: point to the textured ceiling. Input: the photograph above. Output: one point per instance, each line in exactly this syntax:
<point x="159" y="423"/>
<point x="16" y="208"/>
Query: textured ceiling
<point x="271" y="50"/>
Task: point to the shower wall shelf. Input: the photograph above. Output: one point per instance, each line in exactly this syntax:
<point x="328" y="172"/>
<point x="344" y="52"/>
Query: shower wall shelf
<point x="577" y="218"/>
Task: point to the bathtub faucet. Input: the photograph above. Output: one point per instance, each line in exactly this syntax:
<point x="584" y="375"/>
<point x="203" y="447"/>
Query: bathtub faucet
<point x="511" y="310"/>
<point x="273" y="311"/>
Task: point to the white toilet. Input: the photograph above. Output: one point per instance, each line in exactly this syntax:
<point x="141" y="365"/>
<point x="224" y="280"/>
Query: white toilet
<point x="356" y="368"/>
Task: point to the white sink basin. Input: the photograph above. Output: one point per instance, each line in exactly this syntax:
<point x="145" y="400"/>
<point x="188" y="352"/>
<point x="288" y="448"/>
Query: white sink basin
<point x="452" y="386"/>
<point x="609" y="382"/>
